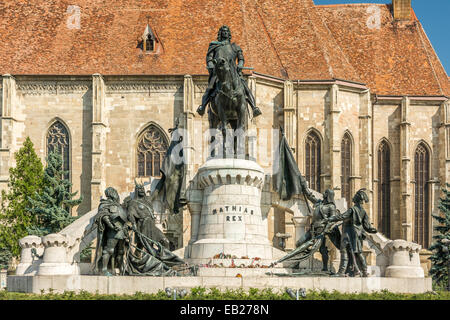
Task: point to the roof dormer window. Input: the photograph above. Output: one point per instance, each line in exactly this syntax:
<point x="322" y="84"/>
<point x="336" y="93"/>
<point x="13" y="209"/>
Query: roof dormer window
<point x="149" y="44"/>
<point x="149" y="40"/>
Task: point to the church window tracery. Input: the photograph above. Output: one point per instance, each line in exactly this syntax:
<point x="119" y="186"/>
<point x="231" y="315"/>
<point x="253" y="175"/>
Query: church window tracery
<point x="346" y="167"/>
<point x="421" y="195"/>
<point x="151" y="148"/>
<point x="312" y="160"/>
<point x="384" y="188"/>
<point x="58" y="140"/>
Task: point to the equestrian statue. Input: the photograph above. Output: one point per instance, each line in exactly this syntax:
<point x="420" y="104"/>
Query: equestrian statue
<point x="227" y="93"/>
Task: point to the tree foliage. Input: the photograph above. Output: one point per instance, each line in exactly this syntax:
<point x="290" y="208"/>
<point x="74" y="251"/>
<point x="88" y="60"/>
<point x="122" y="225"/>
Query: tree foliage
<point x="440" y="257"/>
<point x="25" y="180"/>
<point x="52" y="205"/>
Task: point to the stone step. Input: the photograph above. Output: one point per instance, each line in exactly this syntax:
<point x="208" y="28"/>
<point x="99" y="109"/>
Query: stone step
<point x="131" y="285"/>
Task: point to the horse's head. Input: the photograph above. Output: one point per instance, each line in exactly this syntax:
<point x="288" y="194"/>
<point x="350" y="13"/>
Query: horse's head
<point x="221" y="68"/>
<point x="221" y="64"/>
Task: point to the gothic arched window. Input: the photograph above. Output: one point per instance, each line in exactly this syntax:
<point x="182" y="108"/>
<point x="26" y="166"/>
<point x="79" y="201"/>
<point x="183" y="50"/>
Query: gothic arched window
<point x="151" y="148"/>
<point x="58" y="140"/>
<point x="312" y="160"/>
<point x="346" y="167"/>
<point x="421" y="196"/>
<point x="384" y="189"/>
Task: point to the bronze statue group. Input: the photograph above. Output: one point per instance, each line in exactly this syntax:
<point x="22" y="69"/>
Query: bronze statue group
<point x="324" y="224"/>
<point x="129" y="240"/>
<point x="288" y="182"/>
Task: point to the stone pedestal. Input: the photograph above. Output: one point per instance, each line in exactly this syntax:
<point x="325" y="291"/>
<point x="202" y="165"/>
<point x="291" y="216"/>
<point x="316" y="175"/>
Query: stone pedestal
<point x="230" y="221"/>
<point x="3" y="278"/>
<point x="404" y="260"/>
<point x="29" y="262"/>
<point x="221" y="278"/>
<point x="55" y="256"/>
<point x="300" y="223"/>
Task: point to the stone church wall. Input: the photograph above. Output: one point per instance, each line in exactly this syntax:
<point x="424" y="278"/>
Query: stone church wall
<point x="386" y="121"/>
<point x="311" y="116"/>
<point x="130" y="104"/>
<point x="39" y="104"/>
<point x="425" y="123"/>
<point x="131" y="107"/>
<point x="269" y="98"/>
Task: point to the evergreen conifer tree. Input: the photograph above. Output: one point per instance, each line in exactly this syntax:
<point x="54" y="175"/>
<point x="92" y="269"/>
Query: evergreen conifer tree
<point x="439" y="259"/>
<point x="52" y="205"/>
<point x="25" y="179"/>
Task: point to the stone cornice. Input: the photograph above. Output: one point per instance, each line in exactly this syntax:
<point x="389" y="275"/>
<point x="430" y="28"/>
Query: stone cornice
<point x="200" y="87"/>
<point x="43" y="87"/>
<point x="142" y="86"/>
<point x="403" y="245"/>
<point x="233" y="171"/>
<point x="30" y="242"/>
<point x="414" y="100"/>
<point x="55" y="240"/>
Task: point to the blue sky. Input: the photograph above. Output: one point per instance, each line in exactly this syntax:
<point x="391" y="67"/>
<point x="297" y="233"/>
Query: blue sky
<point x="433" y="15"/>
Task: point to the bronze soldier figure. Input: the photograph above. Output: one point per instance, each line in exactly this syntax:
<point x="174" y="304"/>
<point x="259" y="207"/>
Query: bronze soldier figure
<point x="323" y="209"/>
<point x="234" y="53"/>
<point x="356" y="221"/>
<point x="112" y="233"/>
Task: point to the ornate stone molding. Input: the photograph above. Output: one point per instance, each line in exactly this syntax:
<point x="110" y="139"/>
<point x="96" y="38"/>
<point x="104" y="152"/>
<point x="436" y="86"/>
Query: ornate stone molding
<point x="231" y="174"/>
<point x="55" y="240"/>
<point x="142" y="87"/>
<point x="199" y="89"/>
<point x="30" y="242"/>
<point x="403" y="245"/>
<point x="55" y="260"/>
<point x="32" y="249"/>
<point x="52" y="87"/>
<point x="404" y="260"/>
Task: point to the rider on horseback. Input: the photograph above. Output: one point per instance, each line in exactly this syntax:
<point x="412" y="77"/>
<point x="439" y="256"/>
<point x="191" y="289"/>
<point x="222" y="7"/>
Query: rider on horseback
<point x="235" y="53"/>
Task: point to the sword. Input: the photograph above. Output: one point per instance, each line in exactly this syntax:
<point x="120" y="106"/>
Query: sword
<point x="160" y="247"/>
<point x="307" y="244"/>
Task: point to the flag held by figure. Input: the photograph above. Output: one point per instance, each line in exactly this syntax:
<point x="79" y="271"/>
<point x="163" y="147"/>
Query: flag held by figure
<point x="171" y="188"/>
<point x="288" y="179"/>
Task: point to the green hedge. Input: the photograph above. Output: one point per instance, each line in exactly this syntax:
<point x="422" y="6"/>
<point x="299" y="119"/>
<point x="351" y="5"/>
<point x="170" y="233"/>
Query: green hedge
<point x="216" y="294"/>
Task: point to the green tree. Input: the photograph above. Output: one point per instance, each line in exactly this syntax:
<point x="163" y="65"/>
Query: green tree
<point x="439" y="259"/>
<point x="15" y="218"/>
<point x="52" y="205"/>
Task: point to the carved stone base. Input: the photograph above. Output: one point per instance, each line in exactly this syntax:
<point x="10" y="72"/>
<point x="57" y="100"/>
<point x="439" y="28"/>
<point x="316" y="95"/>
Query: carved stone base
<point x="404" y="272"/>
<point x="404" y="260"/>
<point x="214" y="278"/>
<point x="29" y="261"/>
<point x="231" y="221"/>
<point x="55" y="256"/>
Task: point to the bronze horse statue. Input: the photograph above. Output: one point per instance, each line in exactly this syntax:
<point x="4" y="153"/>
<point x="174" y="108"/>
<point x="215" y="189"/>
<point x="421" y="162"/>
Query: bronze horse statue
<point x="229" y="108"/>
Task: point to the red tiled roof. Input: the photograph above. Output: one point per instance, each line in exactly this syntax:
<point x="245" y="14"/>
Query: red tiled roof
<point x="284" y="38"/>
<point x="395" y="59"/>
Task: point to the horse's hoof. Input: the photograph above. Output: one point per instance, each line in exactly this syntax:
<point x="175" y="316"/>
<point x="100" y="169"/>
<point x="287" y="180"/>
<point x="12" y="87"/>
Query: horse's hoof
<point x="256" y="112"/>
<point x="201" y="110"/>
